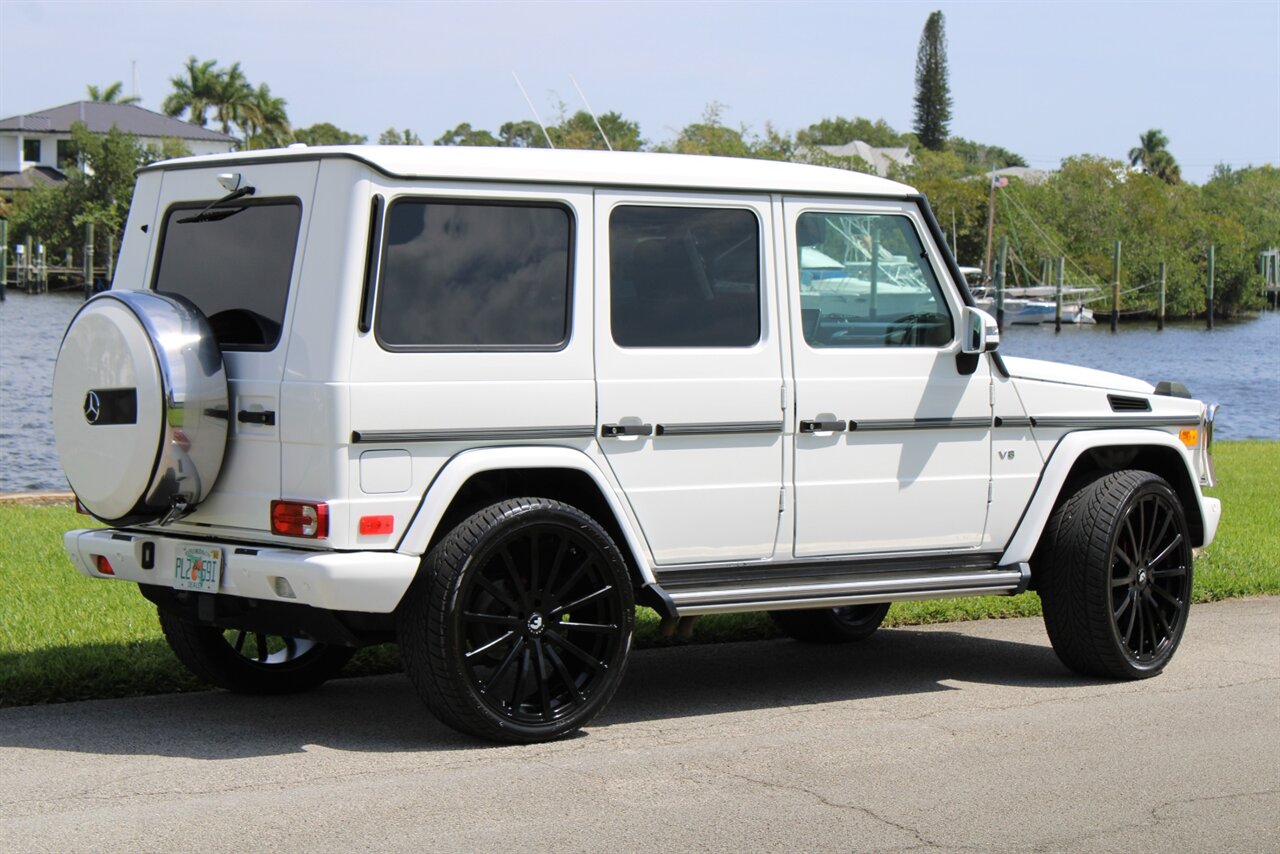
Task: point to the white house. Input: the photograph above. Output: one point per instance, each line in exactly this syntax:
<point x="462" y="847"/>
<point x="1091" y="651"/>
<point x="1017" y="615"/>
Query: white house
<point x="35" y="147"/>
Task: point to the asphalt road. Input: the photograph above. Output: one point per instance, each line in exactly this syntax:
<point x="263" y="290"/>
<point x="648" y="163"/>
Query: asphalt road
<point x="955" y="737"/>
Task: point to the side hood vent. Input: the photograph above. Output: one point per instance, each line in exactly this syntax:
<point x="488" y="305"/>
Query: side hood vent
<point x="1120" y="403"/>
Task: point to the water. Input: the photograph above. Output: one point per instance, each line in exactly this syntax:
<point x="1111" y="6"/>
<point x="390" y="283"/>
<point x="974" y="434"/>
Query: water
<point x="1237" y="365"/>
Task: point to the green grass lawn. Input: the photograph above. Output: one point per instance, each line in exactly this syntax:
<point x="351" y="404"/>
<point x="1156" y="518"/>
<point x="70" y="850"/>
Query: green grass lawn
<point x="67" y="637"/>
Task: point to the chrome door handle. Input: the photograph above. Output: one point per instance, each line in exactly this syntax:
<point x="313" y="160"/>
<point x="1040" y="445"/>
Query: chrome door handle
<point x="609" y="430"/>
<point x="823" y="426"/>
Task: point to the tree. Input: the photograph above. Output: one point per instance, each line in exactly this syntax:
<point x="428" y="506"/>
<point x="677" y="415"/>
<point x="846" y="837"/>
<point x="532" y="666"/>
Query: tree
<point x="580" y="131"/>
<point x="979" y="157"/>
<point x="232" y="96"/>
<point x="525" y="134"/>
<point x="842" y="131"/>
<point x="98" y="189"/>
<point x="265" y="122"/>
<point x="194" y="92"/>
<point x="325" y="133"/>
<point x="710" y="136"/>
<point x="1154" y="158"/>
<point x="933" y="95"/>
<point x="111" y="94"/>
<point x="391" y="136"/>
<point x="464" y="134"/>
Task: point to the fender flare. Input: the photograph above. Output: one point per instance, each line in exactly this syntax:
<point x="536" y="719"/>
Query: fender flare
<point x="462" y="467"/>
<point x="1063" y="458"/>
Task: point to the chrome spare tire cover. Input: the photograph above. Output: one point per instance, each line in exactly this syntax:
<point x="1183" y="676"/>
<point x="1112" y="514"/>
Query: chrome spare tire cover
<point x="139" y="406"/>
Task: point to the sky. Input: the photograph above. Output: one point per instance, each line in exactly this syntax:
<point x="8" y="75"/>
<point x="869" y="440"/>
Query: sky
<point x="1044" y="79"/>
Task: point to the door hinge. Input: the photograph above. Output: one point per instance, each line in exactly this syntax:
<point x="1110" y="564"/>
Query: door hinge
<point x="990" y="490"/>
<point x="782" y="399"/>
<point x="782" y="500"/>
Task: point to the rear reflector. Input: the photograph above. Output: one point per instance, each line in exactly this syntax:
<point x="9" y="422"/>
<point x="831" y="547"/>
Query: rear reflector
<point x="377" y="524"/>
<point x="104" y="565"/>
<point x="300" y="518"/>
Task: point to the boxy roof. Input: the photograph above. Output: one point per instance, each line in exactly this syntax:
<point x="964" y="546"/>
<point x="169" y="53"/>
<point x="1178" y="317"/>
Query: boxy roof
<point x="563" y="166"/>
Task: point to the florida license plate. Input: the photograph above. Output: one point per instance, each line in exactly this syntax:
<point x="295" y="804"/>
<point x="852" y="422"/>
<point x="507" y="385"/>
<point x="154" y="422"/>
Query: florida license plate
<point x="197" y="568"/>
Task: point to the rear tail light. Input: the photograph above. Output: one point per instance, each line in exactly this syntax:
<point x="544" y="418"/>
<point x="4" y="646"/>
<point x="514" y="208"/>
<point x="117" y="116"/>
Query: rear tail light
<point x="300" y="519"/>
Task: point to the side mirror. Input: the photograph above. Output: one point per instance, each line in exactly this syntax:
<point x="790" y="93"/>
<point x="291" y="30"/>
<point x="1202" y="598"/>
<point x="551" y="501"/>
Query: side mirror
<point x="981" y="334"/>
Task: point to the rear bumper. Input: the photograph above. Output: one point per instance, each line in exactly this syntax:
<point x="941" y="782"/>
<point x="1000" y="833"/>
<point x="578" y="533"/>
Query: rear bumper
<point x="371" y="582"/>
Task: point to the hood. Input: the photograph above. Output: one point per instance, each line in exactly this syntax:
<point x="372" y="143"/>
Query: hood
<point x="1056" y="372"/>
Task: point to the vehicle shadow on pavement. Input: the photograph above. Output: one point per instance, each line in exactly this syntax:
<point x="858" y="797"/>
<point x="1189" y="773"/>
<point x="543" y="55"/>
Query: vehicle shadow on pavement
<point x="383" y="714"/>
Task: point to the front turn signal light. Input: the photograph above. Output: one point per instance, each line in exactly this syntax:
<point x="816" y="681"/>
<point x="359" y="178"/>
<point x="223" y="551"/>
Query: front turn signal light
<point x="1190" y="437"/>
<point x="300" y="519"/>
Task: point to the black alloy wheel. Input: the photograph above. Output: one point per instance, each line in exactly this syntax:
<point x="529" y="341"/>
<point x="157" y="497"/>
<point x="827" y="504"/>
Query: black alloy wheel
<point x="1117" y="576"/>
<point x="521" y="627"/>
<point x="249" y="662"/>
<point x="845" y="624"/>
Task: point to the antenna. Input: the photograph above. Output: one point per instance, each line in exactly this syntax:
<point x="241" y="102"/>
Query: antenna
<point x="134" y="63"/>
<point x="592" y="112"/>
<point x="534" y="110"/>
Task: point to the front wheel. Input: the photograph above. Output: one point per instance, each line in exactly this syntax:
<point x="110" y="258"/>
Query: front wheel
<point x="252" y="662"/>
<point x="1116" y="576"/>
<point x="519" y="626"/>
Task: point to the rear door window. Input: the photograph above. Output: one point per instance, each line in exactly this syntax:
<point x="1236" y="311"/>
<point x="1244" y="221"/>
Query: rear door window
<point x="475" y="276"/>
<point x="235" y="264"/>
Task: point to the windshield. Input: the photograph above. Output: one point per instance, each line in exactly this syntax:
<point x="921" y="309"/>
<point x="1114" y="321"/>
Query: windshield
<point x="236" y="268"/>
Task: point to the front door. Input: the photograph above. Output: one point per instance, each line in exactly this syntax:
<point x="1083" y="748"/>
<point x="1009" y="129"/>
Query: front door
<point x="892" y="446"/>
<point x="689" y="371"/>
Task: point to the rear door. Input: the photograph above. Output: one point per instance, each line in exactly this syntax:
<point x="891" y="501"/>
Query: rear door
<point x="689" y="372"/>
<point x="239" y="263"/>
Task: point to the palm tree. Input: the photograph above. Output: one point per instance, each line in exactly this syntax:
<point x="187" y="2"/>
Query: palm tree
<point x="112" y="94"/>
<point x="1154" y="158"/>
<point x="195" y="92"/>
<point x="232" y="94"/>
<point x="265" y="122"/>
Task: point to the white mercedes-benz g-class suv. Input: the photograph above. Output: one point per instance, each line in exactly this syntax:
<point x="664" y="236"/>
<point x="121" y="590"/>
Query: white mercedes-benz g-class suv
<point x="484" y="401"/>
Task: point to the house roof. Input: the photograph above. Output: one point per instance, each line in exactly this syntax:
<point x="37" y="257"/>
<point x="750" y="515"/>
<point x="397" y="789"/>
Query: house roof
<point x="101" y="117"/>
<point x="32" y="176"/>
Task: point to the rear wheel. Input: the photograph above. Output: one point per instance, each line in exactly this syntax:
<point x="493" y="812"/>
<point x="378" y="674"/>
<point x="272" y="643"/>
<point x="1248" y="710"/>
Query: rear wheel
<point x="252" y="662"/>
<point x="1115" y="581"/>
<point x="831" y="625"/>
<point x="520" y="624"/>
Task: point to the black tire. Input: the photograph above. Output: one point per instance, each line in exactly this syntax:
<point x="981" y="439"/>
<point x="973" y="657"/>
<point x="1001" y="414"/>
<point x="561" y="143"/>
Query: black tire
<point x="486" y="632"/>
<point x="1115" y="570"/>
<point x="831" y="625"/>
<point x="252" y="662"/>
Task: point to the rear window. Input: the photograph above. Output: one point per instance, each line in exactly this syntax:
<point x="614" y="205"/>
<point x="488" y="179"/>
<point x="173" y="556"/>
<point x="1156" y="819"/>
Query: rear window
<point x="475" y="276"/>
<point x="235" y="263"/>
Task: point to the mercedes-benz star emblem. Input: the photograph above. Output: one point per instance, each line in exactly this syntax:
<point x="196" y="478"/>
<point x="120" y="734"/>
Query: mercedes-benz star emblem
<point x="92" y="407"/>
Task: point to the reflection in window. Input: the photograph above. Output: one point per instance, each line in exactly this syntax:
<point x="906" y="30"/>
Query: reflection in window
<point x="235" y="266"/>
<point x="475" y="276"/>
<point x="684" y="277"/>
<point x="865" y="282"/>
